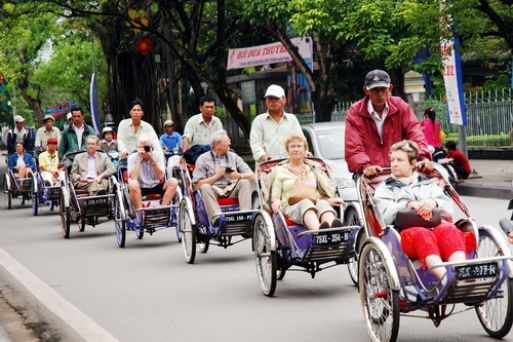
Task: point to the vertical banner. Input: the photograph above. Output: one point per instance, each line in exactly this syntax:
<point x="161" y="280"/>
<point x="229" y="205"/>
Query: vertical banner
<point x="93" y="102"/>
<point x="453" y="80"/>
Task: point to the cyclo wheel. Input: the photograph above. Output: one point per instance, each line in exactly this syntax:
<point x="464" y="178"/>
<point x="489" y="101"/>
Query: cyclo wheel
<point x="379" y="301"/>
<point x="265" y="258"/>
<point x="65" y="218"/>
<point x="281" y="274"/>
<point x="8" y="194"/>
<point x="140" y="233"/>
<point x="496" y="314"/>
<point x="351" y="218"/>
<point x="34" y="195"/>
<point x="188" y="233"/>
<point x="119" y="223"/>
<point x="203" y="243"/>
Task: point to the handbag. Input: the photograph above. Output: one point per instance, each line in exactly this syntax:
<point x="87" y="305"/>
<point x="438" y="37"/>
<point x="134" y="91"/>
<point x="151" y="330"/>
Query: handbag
<point x="303" y="188"/>
<point x="407" y="218"/>
<point x="441" y="135"/>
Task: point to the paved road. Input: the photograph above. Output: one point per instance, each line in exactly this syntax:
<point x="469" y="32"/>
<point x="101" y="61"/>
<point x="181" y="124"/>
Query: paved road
<point x="146" y="292"/>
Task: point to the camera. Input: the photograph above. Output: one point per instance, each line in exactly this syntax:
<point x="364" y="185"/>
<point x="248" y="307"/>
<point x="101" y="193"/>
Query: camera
<point x="148" y="148"/>
<point x="228" y="169"/>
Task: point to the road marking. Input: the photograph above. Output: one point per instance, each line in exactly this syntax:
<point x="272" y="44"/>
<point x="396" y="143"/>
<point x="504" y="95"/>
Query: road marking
<point x="67" y="312"/>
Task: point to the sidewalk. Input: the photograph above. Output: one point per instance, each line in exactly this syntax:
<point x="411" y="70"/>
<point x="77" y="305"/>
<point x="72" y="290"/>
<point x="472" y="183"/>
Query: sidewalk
<point x="493" y="179"/>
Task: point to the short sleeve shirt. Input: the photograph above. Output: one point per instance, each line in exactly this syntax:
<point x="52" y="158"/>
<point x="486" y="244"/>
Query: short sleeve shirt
<point x="198" y="132"/>
<point x="170" y="141"/>
<point x="209" y="162"/>
<point x="127" y="137"/>
<point x="147" y="178"/>
<point x="42" y="136"/>
<point x="49" y="161"/>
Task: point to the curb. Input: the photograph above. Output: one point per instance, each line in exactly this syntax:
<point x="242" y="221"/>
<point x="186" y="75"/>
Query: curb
<point x="479" y="190"/>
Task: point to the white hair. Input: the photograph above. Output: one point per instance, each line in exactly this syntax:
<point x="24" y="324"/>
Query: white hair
<point x="145" y="139"/>
<point x="219" y="136"/>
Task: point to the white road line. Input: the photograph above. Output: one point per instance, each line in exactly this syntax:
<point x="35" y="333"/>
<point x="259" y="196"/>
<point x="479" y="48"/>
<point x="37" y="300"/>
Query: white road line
<point x="70" y="314"/>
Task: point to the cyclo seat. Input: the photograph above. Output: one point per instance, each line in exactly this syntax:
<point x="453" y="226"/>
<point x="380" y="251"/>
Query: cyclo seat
<point x="227" y="201"/>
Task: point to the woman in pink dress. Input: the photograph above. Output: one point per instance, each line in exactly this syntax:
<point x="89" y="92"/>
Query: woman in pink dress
<point x="432" y="129"/>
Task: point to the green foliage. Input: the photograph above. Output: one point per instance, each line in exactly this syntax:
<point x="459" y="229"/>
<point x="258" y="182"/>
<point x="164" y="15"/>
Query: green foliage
<point x="491" y="140"/>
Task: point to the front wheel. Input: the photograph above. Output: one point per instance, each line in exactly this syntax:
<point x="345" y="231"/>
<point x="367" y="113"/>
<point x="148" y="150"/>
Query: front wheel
<point x="188" y="233"/>
<point x="203" y="244"/>
<point x="265" y="258"/>
<point x="119" y="223"/>
<point x="7" y="191"/>
<point x="379" y="301"/>
<point x="496" y="314"/>
<point x="33" y="193"/>
<point x="65" y="219"/>
<point x="140" y="233"/>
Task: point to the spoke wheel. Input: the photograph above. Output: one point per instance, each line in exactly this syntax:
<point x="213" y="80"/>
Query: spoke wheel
<point x="8" y="194"/>
<point x="281" y="273"/>
<point x="265" y="258"/>
<point x="495" y="315"/>
<point x="188" y="233"/>
<point x="380" y="303"/>
<point x="82" y="224"/>
<point x="65" y="219"/>
<point x="140" y="233"/>
<point x="33" y="194"/>
<point x="118" y="222"/>
<point x="203" y="243"/>
<point x="351" y="218"/>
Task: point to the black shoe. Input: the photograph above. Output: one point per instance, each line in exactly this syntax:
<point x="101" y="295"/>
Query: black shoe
<point x="324" y="225"/>
<point x="337" y="223"/>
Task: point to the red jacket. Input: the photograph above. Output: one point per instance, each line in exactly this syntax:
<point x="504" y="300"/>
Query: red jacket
<point x="363" y="145"/>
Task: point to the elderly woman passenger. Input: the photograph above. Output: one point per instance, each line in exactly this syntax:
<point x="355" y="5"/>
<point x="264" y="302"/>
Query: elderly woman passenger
<point x="303" y="190"/>
<point x="407" y="189"/>
<point x="21" y="163"/>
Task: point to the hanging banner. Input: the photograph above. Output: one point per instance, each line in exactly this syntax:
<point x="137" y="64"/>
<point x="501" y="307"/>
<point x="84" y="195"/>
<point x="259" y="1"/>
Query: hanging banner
<point x="93" y="102"/>
<point x="267" y="54"/>
<point x="453" y="81"/>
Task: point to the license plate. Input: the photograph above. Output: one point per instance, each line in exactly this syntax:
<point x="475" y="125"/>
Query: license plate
<point x="239" y="218"/>
<point x="331" y="238"/>
<point x="477" y="271"/>
<point x="97" y="202"/>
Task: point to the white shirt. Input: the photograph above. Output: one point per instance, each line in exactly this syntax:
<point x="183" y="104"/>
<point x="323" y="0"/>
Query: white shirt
<point x="198" y="132"/>
<point x="268" y="137"/>
<point x="91" y="166"/>
<point x="147" y="177"/>
<point x="20" y="134"/>
<point x="380" y="121"/>
<point x="127" y="136"/>
<point x="20" y="161"/>
<point x="80" y="133"/>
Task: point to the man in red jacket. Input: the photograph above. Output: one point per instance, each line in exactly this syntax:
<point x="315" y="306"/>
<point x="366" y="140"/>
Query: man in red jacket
<point x="375" y="123"/>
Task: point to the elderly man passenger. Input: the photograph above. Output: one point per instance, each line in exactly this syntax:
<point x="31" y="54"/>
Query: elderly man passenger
<point x="315" y="211"/>
<point x="91" y="170"/>
<point x="146" y="169"/>
<point x="222" y="173"/>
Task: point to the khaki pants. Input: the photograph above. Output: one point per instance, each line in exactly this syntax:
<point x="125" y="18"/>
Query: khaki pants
<point x="242" y="191"/>
<point x="94" y="186"/>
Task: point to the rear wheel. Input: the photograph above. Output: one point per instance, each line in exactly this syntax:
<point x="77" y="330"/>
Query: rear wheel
<point x="188" y="233"/>
<point x="351" y="218"/>
<point x="265" y="258"/>
<point x="82" y="224"/>
<point x="496" y="314"/>
<point x="203" y="244"/>
<point x="65" y="219"/>
<point x="118" y="221"/>
<point x="140" y="233"/>
<point x="379" y="301"/>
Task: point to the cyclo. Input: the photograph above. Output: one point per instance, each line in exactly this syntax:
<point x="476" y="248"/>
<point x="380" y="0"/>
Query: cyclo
<point x="280" y="244"/>
<point x="195" y="226"/>
<point x="17" y="187"/>
<point x="77" y="206"/>
<point x="392" y="284"/>
<point x="42" y="192"/>
<point x="150" y="218"/>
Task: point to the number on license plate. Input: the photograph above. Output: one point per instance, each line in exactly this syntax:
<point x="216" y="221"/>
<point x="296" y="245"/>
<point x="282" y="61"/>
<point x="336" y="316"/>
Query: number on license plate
<point x="331" y="238"/>
<point x="477" y="271"/>
<point x="239" y="218"/>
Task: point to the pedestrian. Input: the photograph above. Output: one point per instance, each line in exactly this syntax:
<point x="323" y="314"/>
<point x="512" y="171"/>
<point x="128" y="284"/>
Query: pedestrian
<point x="129" y="130"/>
<point x="74" y="137"/>
<point x="375" y="123"/>
<point x="460" y="162"/>
<point x="433" y="132"/>
<point x="170" y="140"/>
<point x="20" y="134"/>
<point x="201" y="127"/>
<point x="270" y="130"/>
<point x="47" y="131"/>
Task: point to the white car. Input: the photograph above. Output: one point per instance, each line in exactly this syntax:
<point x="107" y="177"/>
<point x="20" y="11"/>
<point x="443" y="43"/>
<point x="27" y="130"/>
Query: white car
<point x="326" y="141"/>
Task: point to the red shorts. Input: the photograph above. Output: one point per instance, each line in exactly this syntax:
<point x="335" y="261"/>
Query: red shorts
<point x="443" y="240"/>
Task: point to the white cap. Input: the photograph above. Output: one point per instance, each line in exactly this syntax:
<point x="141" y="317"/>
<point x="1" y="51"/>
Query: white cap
<point x="275" y="91"/>
<point x="19" y="118"/>
<point x="69" y="116"/>
<point x="169" y="123"/>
